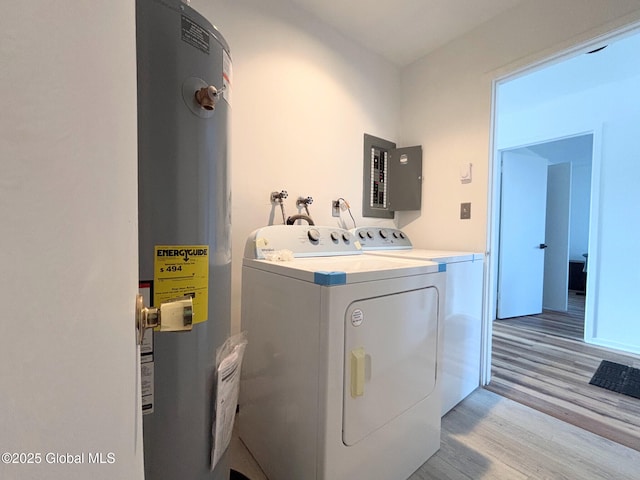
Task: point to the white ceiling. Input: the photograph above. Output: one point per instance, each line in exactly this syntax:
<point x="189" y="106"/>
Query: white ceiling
<point x="403" y="31"/>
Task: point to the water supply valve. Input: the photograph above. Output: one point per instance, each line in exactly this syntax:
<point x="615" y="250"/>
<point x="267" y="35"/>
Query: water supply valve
<point x="304" y="201"/>
<point x="279" y="196"/>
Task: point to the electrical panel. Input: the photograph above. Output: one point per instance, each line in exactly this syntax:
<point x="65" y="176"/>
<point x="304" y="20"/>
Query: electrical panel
<point x="392" y="179"/>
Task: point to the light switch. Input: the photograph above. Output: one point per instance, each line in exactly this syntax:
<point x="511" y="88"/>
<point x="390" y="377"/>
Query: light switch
<point x="465" y="172"/>
<point x="465" y="211"/>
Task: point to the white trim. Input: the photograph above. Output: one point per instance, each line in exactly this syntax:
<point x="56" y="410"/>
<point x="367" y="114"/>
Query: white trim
<point x="623" y="347"/>
<point x="490" y="300"/>
<point x="593" y="277"/>
<point x="564" y="54"/>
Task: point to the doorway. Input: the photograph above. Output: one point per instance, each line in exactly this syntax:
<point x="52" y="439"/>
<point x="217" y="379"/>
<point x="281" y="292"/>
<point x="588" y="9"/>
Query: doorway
<point x="544" y="224"/>
<point x="558" y="103"/>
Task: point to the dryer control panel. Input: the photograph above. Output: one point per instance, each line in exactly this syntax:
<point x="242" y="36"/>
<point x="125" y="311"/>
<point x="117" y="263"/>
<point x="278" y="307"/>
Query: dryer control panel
<point x="381" y="238"/>
<point x="282" y="242"/>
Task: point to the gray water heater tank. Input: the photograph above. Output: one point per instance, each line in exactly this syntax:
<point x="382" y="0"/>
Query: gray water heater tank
<point x="184" y="200"/>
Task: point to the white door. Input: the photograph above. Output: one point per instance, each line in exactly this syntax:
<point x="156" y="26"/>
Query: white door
<point x="522" y="234"/>
<point x="70" y="392"/>
<point x="556" y="259"/>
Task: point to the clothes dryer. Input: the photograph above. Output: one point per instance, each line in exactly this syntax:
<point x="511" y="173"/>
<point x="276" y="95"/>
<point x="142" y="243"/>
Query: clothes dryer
<point x="462" y="324"/>
<point x="340" y="372"/>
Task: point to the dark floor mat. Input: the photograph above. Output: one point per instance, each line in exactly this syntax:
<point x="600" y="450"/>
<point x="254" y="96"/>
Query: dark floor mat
<point x="617" y="378"/>
<point x="235" y="475"/>
<point x="631" y="385"/>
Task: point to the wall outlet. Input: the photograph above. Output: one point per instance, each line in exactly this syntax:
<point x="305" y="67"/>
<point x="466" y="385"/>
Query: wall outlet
<point x="465" y="211"/>
<point x="335" y="208"/>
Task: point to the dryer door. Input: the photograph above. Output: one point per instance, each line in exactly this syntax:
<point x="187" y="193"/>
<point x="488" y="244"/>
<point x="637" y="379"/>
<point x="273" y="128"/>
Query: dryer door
<point x="390" y="359"/>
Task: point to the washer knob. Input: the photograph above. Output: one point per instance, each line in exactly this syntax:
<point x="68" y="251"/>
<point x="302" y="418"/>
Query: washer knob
<point x="345" y="237"/>
<point x="395" y="234"/>
<point x="369" y="234"/>
<point x="314" y="235"/>
<point x="362" y="234"/>
<point x="334" y="236"/>
<point x="383" y="233"/>
<point x="402" y="235"/>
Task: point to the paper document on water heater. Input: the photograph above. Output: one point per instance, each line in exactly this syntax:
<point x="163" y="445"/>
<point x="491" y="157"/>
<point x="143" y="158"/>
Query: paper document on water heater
<point x="226" y="401"/>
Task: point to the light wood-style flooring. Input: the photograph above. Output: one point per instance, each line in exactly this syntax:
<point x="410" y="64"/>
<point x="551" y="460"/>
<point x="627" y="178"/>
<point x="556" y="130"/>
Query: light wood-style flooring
<point x="487" y="436"/>
<point x="541" y="361"/>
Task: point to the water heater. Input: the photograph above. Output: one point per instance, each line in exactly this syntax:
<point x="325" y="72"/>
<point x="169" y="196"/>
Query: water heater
<point x="184" y="75"/>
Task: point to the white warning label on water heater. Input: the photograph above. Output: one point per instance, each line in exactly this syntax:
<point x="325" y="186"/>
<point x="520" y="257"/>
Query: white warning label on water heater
<point x="146" y="383"/>
<point x="227" y="76"/>
<point x="146" y="355"/>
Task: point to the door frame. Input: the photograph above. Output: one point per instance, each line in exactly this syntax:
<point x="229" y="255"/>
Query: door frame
<point x="493" y="234"/>
<point x="503" y="75"/>
<point x="495" y="187"/>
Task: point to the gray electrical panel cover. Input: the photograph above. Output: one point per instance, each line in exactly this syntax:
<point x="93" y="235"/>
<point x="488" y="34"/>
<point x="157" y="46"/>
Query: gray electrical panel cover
<point x="392" y="178"/>
<point x="405" y="179"/>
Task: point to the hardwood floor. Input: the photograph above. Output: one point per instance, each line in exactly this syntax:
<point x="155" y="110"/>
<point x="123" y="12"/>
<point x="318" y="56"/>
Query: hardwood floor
<point x="541" y="361"/>
<point x="487" y="436"/>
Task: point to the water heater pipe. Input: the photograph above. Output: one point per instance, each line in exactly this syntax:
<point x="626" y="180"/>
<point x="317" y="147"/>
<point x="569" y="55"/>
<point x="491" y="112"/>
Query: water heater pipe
<point x="207" y="97"/>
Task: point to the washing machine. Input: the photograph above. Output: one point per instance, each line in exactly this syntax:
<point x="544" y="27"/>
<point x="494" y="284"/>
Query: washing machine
<point x="462" y="316"/>
<point x="340" y="372"/>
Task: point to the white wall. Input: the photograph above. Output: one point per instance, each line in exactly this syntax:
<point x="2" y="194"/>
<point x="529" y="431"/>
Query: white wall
<point x="446" y="105"/>
<point x="303" y="96"/>
<point x="612" y="110"/>
<point x="69" y="252"/>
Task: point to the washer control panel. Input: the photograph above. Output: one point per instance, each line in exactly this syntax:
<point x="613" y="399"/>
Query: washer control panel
<point x="382" y="238"/>
<point x="295" y="241"/>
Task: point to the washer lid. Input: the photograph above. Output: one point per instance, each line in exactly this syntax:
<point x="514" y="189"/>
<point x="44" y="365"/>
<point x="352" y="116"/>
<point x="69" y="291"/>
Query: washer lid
<point x="441" y="256"/>
<point x="340" y="270"/>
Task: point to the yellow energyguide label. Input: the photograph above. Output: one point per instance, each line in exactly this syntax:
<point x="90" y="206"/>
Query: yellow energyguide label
<point x="180" y="270"/>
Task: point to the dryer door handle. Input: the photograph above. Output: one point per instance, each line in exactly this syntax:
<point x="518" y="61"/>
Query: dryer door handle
<point x="357" y="372"/>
